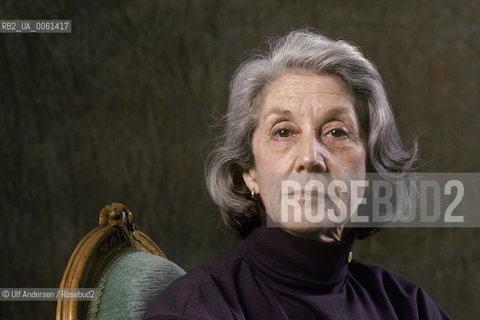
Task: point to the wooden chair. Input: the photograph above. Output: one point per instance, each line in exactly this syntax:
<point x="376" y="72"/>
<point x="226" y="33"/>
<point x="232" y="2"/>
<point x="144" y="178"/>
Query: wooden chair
<point x="119" y="260"/>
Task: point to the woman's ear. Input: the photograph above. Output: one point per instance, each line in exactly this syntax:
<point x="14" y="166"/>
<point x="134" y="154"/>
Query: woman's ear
<point x="250" y="179"/>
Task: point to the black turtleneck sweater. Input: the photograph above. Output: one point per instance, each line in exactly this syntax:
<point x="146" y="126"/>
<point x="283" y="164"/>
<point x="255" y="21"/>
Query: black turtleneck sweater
<point x="276" y="275"/>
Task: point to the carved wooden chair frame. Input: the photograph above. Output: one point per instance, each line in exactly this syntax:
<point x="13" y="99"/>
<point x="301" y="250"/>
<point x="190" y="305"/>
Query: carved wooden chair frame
<point x="95" y="250"/>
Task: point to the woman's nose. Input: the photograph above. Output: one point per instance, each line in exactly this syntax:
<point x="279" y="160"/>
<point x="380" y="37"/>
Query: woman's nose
<point x="311" y="156"/>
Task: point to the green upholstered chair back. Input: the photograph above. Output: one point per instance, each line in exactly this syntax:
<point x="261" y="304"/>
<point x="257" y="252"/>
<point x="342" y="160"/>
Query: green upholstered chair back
<point x="128" y="269"/>
<point x="130" y="283"/>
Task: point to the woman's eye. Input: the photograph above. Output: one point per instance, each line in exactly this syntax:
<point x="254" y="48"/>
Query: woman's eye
<point x="283" y="133"/>
<point x="338" y="133"/>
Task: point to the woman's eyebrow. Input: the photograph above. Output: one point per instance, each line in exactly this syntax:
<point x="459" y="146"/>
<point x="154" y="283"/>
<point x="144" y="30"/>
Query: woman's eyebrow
<point x="337" y="111"/>
<point x="279" y="111"/>
<point x="333" y="112"/>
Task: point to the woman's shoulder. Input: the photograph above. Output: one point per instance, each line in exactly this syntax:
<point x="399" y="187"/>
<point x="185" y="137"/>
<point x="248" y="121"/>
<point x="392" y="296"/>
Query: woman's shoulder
<point x="366" y="273"/>
<point x="403" y="294"/>
<point x="200" y="292"/>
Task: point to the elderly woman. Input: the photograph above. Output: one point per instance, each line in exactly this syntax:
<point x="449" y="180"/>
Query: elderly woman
<point x="308" y="105"/>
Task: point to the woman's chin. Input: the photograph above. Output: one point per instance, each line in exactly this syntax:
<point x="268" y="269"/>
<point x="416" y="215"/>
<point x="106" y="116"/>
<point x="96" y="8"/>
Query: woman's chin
<point x="319" y="233"/>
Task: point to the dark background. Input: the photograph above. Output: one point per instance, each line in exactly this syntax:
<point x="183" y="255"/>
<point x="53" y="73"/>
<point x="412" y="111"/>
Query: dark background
<point x="119" y="110"/>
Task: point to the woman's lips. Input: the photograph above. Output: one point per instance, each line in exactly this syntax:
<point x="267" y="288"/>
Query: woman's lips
<point x="305" y="195"/>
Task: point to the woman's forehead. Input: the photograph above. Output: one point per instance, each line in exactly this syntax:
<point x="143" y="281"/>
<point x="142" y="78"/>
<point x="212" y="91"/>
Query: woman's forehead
<point x="294" y="93"/>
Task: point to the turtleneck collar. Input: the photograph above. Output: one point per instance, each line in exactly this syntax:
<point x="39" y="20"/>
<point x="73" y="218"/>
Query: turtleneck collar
<point x="299" y="263"/>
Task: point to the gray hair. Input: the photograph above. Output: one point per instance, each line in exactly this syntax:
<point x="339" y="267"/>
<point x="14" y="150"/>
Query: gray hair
<point x="299" y="50"/>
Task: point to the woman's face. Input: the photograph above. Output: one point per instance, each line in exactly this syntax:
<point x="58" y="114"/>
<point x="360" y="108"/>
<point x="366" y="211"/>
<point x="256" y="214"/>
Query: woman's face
<point x="307" y="124"/>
